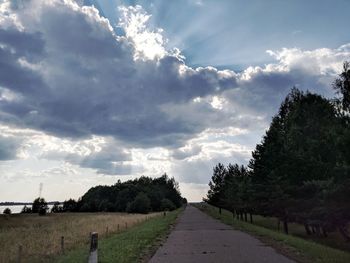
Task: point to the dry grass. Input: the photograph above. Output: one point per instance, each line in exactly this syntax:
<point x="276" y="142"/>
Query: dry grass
<point x="40" y="235"/>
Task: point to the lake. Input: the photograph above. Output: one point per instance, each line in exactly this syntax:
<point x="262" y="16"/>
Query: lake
<point x="15" y="209"/>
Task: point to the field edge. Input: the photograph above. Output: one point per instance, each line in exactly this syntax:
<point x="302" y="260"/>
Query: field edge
<point x="136" y="244"/>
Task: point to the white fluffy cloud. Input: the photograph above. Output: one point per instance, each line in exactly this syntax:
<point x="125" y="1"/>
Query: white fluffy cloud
<point x="148" y="44"/>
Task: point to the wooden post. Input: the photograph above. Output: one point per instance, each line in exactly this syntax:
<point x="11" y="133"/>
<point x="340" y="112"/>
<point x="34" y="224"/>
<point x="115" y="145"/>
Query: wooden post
<point x="118" y="228"/>
<point x="62" y="244"/>
<point x="19" y="260"/>
<point x="106" y="230"/>
<point x="93" y="257"/>
<point x="126" y="225"/>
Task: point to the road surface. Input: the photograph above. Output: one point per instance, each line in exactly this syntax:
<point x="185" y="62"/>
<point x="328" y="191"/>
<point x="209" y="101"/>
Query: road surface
<point x="199" y="238"/>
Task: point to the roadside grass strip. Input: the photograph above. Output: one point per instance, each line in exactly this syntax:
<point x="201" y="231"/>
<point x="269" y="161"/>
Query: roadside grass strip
<point x="135" y="244"/>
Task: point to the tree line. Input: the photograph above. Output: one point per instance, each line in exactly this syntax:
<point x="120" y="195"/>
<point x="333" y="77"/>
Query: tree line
<point x="141" y="195"/>
<point x="300" y="172"/>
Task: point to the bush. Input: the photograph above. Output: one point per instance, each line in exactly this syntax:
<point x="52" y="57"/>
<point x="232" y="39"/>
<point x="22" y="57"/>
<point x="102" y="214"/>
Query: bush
<point x="7" y="211"/>
<point x="57" y="208"/>
<point x="167" y="205"/>
<point x="141" y="204"/>
<point x="26" y="210"/>
<point x="40" y="206"/>
<point x="43" y="210"/>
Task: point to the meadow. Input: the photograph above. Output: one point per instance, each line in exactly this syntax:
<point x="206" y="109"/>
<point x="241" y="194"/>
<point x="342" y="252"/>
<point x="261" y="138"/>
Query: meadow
<point x="40" y="236"/>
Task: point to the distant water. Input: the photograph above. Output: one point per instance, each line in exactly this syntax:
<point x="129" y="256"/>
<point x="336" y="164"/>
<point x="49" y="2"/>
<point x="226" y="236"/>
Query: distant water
<point x="15" y="209"/>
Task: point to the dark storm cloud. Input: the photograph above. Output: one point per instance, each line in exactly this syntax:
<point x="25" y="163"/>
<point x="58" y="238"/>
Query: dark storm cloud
<point x="15" y="45"/>
<point x="30" y="45"/>
<point x="74" y="77"/>
<point x="92" y="84"/>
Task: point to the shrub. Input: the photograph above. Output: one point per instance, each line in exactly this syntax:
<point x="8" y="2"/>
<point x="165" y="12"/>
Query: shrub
<point x="7" y="211"/>
<point x="57" y="208"/>
<point x="40" y="206"/>
<point x="26" y="210"/>
<point x="141" y="204"/>
<point x="166" y="204"/>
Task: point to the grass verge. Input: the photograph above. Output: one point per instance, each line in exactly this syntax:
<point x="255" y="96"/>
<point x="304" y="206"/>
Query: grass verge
<point x="296" y="248"/>
<point x="133" y="245"/>
<point x="40" y="236"/>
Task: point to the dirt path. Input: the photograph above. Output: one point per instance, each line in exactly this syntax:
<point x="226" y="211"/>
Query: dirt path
<point x="200" y="238"/>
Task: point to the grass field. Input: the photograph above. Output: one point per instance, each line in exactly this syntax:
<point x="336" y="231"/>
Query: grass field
<point x="40" y="236"/>
<point x="134" y="245"/>
<point x="298" y="248"/>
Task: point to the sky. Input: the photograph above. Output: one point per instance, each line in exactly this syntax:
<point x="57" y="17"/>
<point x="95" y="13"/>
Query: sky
<point x="96" y="91"/>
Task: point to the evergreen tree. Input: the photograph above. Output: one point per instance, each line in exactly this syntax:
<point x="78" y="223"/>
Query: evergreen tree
<point x="342" y="86"/>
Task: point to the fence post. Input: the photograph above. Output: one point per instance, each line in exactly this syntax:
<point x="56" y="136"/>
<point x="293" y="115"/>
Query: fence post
<point x="19" y="260"/>
<point x="62" y="244"/>
<point x="93" y="257"/>
<point x="118" y="228"/>
<point x="126" y="225"/>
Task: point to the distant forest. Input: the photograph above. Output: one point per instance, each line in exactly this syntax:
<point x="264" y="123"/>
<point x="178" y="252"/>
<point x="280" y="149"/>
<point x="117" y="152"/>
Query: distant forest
<point x="300" y="172"/>
<point x="141" y="195"/>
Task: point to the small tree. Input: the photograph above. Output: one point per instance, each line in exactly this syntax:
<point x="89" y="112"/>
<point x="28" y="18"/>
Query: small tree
<point x="7" y="211"/>
<point x="40" y="206"/>
<point x="216" y="185"/>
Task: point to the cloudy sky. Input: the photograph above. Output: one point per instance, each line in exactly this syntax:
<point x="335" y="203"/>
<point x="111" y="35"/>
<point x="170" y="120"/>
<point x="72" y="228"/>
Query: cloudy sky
<point x="99" y="90"/>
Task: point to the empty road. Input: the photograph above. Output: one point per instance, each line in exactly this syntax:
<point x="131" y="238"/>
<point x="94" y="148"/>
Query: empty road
<point x="199" y="238"/>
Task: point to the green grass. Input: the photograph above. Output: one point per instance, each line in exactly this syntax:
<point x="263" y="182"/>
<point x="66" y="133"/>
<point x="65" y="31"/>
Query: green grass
<point x="296" y="247"/>
<point x="334" y="239"/>
<point x="131" y="245"/>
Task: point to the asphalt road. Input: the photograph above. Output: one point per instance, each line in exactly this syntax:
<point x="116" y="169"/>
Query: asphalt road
<point x="200" y="238"/>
